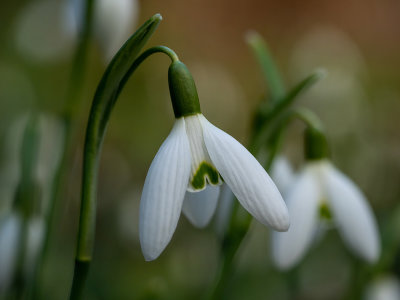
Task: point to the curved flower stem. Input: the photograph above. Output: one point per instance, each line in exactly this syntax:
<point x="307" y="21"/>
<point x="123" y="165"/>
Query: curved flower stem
<point x="115" y="77"/>
<point x="275" y="140"/>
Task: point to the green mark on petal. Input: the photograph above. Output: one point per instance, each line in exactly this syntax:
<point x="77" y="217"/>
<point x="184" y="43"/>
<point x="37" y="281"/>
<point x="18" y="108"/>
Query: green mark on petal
<point x="205" y="171"/>
<point x="324" y="212"/>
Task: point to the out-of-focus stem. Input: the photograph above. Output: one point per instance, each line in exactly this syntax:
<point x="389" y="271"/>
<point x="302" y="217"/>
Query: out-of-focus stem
<point x="71" y="112"/>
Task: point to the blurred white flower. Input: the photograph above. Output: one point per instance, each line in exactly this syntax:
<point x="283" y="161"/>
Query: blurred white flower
<point x="51" y="144"/>
<point x="340" y="56"/>
<point x="282" y="173"/>
<point x="383" y="288"/>
<point x="42" y="33"/>
<point x="34" y="243"/>
<point x="47" y="31"/>
<point x="322" y="192"/>
<point x="224" y="210"/>
<point x="10" y="235"/>
<point x="11" y="229"/>
<point x="113" y="22"/>
<point x="192" y="160"/>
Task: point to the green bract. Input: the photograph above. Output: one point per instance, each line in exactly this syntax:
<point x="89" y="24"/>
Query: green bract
<point x="315" y="144"/>
<point x="185" y="100"/>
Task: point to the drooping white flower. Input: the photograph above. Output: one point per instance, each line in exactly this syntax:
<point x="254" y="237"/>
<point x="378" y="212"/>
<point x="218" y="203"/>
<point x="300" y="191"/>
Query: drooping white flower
<point x="322" y="192"/>
<point x="386" y="287"/>
<point x="195" y="159"/>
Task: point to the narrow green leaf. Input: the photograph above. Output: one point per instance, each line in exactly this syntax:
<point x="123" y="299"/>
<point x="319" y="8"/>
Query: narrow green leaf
<point x="265" y="118"/>
<point x="289" y="98"/>
<point x="272" y="76"/>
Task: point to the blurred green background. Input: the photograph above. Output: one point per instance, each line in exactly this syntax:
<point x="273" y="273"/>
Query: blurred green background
<point x="357" y="42"/>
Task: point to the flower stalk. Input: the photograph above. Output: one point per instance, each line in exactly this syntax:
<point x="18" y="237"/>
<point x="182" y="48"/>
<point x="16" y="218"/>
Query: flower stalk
<point x="115" y="77"/>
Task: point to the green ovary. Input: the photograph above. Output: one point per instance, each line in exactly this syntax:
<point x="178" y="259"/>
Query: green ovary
<point x="324" y="212"/>
<point x="205" y="172"/>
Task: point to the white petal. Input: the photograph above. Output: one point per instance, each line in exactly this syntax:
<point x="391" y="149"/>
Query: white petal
<point x="386" y="287"/>
<point x="246" y="177"/>
<point x="282" y="174"/>
<point x="163" y="192"/>
<point x="289" y="247"/>
<point x="352" y="214"/>
<point x="9" y="240"/>
<point x="224" y="210"/>
<point x="114" y="21"/>
<point x="199" y="207"/>
<point x="34" y="243"/>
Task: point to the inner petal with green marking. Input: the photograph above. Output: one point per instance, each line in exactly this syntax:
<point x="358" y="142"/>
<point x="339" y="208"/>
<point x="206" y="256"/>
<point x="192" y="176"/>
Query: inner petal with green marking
<point x="203" y="170"/>
<point x="325" y="212"/>
<point x="205" y="174"/>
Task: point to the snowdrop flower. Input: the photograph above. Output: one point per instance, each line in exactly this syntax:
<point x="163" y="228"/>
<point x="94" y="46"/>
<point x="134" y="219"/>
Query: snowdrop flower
<point x="21" y="216"/>
<point x="383" y="288"/>
<point x="322" y="193"/>
<point x="191" y="164"/>
<point x="42" y="33"/>
<point x="282" y="173"/>
<point x="34" y="243"/>
<point x="51" y="135"/>
<point x="10" y="230"/>
<point x="113" y="22"/>
<point x="223" y="211"/>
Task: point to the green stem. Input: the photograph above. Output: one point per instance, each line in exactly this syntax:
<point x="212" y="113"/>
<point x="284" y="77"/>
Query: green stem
<point x="263" y="126"/>
<point x="271" y="72"/>
<point x="115" y="77"/>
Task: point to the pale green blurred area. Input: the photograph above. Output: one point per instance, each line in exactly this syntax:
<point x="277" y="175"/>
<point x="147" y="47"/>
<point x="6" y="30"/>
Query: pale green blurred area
<point x="357" y="42"/>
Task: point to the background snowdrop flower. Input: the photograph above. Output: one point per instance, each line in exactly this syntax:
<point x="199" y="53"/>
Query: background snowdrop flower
<point x="113" y="22"/>
<point x="224" y="210"/>
<point x="51" y="131"/>
<point x="195" y="159"/>
<point x="10" y="231"/>
<point x="282" y="173"/>
<point x="42" y="33"/>
<point x="322" y="192"/>
<point x="34" y="242"/>
<point x="383" y="288"/>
